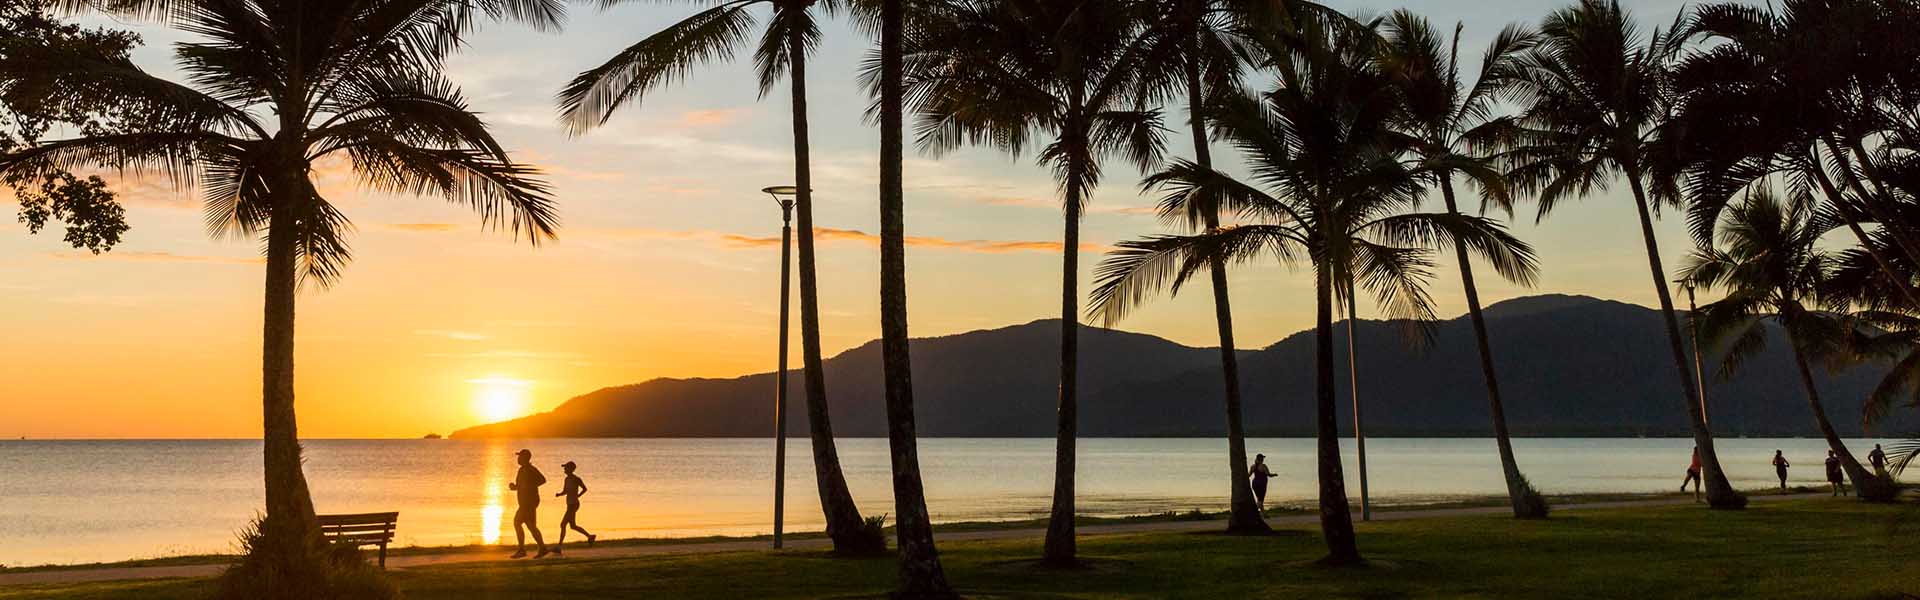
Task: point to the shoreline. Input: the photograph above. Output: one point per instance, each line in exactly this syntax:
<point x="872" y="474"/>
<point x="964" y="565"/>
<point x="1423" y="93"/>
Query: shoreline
<point x="1192" y="515"/>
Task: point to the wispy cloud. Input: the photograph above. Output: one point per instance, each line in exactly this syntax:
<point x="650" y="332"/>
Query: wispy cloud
<point x="464" y="336"/>
<point x="420" y="227"/>
<point x="828" y="234"/>
<point x="712" y="117"/>
<point x="1051" y="204"/>
<point x="514" y="354"/>
<point x="155" y="256"/>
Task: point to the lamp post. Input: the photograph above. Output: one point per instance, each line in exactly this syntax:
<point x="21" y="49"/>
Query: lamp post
<point x="1699" y="368"/>
<point x="783" y="196"/>
<point x="1353" y="389"/>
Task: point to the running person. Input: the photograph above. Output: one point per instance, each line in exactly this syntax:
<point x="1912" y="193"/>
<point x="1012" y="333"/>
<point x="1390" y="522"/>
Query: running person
<point x="1260" y="475"/>
<point x="1834" y="475"/>
<point x="1780" y="468"/>
<point x="572" y="490"/>
<point x="1693" y="475"/>
<point x="527" y="482"/>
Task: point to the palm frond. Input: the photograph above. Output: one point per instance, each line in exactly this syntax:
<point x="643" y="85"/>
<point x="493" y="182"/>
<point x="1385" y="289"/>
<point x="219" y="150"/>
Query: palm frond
<point x="660" y="59"/>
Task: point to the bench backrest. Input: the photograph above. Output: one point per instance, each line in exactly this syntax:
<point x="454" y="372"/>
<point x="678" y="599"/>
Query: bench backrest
<point x="359" y="529"/>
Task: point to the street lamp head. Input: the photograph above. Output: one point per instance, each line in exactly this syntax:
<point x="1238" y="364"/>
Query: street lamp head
<point x="782" y="195"/>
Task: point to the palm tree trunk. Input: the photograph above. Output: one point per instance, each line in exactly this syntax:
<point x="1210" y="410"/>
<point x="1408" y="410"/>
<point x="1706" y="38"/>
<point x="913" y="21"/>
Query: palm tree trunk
<point x="1517" y="487"/>
<point x="1866" y="485"/>
<point x="1060" y="550"/>
<point x="843" y="518"/>
<point x="1720" y="494"/>
<point x="289" y="504"/>
<point x="1244" y="514"/>
<point x="1336" y="519"/>
<point x="920" y="573"/>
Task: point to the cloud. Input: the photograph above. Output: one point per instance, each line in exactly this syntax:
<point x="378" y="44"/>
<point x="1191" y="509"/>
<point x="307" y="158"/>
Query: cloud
<point x="154" y="256"/>
<point x="1054" y="205"/>
<point x="421" y="227"/>
<point x="464" y="336"/>
<point x="827" y="234"/>
<point x="512" y="354"/>
<point x="711" y="117"/>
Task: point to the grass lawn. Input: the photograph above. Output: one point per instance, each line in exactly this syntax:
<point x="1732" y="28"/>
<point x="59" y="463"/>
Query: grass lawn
<point x="1795" y="549"/>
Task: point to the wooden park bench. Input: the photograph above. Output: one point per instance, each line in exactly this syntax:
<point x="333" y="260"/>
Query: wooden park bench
<point x="365" y="529"/>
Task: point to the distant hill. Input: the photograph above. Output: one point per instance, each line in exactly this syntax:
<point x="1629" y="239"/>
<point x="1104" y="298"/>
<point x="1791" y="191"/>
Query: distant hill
<point x="1569" y="366"/>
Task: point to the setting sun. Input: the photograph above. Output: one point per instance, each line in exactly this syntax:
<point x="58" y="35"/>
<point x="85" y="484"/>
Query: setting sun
<point x="499" y="398"/>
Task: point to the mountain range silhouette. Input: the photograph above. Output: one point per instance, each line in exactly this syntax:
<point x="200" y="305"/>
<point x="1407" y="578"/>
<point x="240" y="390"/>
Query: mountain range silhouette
<point x="1569" y="366"/>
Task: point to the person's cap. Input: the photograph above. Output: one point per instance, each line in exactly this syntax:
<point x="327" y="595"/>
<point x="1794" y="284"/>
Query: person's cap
<point x="1259" y="456"/>
<point x="568" y="464"/>
<point x="524" y="452"/>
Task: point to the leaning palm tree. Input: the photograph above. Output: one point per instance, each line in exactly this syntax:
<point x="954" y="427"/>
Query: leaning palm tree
<point x="264" y="104"/>
<point x="920" y="573"/>
<point x="1771" y="97"/>
<point x="715" y="34"/>
<point x="1769" y="261"/>
<point x="1331" y="189"/>
<point x="1596" y="92"/>
<point x="1455" y="123"/>
<point x="1004" y="72"/>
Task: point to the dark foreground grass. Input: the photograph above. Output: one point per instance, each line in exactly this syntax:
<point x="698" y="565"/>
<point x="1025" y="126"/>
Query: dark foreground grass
<point x="1796" y="549"/>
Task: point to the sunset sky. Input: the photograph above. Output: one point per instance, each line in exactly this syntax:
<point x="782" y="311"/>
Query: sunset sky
<point x="667" y="263"/>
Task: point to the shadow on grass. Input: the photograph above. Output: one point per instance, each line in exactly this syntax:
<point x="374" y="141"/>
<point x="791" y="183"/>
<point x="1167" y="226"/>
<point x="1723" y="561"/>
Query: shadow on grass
<point x="1272" y="533"/>
<point x="1085" y="564"/>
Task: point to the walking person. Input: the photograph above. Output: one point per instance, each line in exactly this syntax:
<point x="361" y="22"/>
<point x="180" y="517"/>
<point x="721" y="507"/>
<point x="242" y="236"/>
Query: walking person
<point x="572" y="489"/>
<point x="1260" y="475"/>
<point x="527" y="482"/>
<point x="1878" y="458"/>
<point x="1780" y="468"/>
<point x="1834" y="475"/>
<point x="1693" y="475"/>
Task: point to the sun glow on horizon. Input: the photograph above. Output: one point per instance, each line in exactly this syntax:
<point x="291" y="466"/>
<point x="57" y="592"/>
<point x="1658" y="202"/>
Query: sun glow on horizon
<point x="498" y="398"/>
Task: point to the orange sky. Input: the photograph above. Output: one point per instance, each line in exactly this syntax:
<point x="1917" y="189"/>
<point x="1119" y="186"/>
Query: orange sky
<point x="663" y="267"/>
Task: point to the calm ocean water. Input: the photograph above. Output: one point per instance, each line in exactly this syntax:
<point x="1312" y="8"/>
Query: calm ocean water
<point x="83" y="501"/>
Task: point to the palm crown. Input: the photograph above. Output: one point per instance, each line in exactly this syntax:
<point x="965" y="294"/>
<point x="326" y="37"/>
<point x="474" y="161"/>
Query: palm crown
<point x="1332" y="186"/>
<point x="362" y="82"/>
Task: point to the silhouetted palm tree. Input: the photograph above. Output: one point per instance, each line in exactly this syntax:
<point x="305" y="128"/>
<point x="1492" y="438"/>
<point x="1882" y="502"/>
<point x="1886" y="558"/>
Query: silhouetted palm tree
<point x="1203" y="43"/>
<point x="1773" y="95"/>
<point x="1769" y="261"/>
<point x="1595" y="91"/>
<point x="372" y="95"/>
<point x="920" y="573"/>
<point x="1454" y="122"/>
<point x="1003" y="72"/>
<point x="711" y="35"/>
<point x="1332" y="189"/>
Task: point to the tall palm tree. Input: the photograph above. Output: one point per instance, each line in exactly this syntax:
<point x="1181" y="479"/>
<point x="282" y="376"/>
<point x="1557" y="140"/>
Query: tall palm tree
<point x="1596" y="92"/>
<point x="715" y="34"/>
<point x="920" y="573"/>
<point x="1003" y="72"/>
<point x="1451" y="121"/>
<point x="277" y="85"/>
<point x="1204" y="46"/>
<point x="1332" y="189"/>
<point x="1203" y="39"/>
<point x="1769" y="261"/>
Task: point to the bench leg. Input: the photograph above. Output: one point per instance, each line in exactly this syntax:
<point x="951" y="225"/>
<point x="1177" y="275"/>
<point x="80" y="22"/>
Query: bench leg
<point x="383" y="556"/>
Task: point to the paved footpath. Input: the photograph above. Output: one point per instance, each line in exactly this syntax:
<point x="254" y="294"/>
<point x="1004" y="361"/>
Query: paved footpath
<point x="485" y="554"/>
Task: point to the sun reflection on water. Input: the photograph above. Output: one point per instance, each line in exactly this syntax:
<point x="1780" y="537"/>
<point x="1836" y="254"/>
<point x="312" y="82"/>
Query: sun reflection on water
<point x="491" y="509"/>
